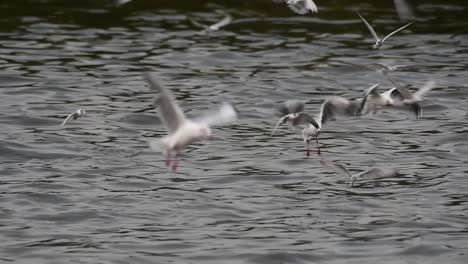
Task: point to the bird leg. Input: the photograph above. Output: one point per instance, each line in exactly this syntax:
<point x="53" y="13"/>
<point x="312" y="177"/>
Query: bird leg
<point x="174" y="165"/>
<point x="318" y="146"/>
<point x="307" y="148"/>
<point x="167" y="161"/>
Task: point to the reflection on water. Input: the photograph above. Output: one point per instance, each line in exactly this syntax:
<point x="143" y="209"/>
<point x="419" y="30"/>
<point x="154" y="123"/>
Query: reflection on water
<point x="92" y="189"/>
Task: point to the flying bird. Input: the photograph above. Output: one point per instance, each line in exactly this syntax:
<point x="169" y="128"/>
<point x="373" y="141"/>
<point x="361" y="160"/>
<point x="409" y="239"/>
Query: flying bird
<point x="73" y="116"/>
<point x="183" y="131"/>
<point x="378" y="41"/>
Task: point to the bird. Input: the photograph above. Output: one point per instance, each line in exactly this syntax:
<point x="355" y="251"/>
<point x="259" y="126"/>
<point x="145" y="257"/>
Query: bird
<point x="372" y="174"/>
<point x="372" y="99"/>
<point x="293" y="111"/>
<point x="402" y="96"/>
<point x="207" y="28"/>
<point x="302" y="7"/>
<point x="183" y="131"/>
<point x="378" y="41"/>
<point x="73" y="116"/>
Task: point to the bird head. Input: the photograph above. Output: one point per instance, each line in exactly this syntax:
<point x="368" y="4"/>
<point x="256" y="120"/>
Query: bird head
<point x="80" y="112"/>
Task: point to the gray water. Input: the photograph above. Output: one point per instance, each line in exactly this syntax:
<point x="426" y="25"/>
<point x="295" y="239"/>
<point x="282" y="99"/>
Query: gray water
<point x="93" y="192"/>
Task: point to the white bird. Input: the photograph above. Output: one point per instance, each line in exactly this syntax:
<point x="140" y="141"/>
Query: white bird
<point x="372" y="174"/>
<point x="206" y="28"/>
<point x="302" y="7"/>
<point x="183" y="131"/>
<point x="379" y="42"/>
<point x="293" y="111"/>
<point x="75" y="115"/>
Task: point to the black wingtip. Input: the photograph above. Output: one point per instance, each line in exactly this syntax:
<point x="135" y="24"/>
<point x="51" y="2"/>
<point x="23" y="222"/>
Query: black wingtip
<point x="416" y="109"/>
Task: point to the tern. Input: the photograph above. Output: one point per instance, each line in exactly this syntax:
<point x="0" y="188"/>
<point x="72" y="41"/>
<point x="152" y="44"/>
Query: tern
<point x="183" y="131"/>
<point x="293" y="111"/>
<point x="73" y="116"/>
<point x="378" y="41"/>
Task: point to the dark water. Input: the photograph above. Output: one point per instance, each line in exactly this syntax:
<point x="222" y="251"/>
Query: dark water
<point x="93" y="192"/>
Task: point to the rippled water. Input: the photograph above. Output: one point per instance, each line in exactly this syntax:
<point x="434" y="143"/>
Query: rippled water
<point x="93" y="192"/>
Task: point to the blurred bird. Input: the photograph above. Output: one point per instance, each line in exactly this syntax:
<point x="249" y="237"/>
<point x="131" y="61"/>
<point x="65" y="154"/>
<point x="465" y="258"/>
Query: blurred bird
<point x="378" y="41"/>
<point x="183" y="131"/>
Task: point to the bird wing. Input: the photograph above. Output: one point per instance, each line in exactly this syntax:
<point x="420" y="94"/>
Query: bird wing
<point x="311" y="6"/>
<point x="336" y="167"/>
<point x="378" y="173"/>
<point x="121" y="2"/>
<point x="374" y="91"/>
<point x="403" y="27"/>
<point x="301" y="7"/>
<point x="372" y="31"/>
<point x="226" y="114"/>
<point x="69" y="117"/>
<point x="336" y="105"/>
<point x="405" y="93"/>
<point x="197" y="24"/>
<point x="423" y="90"/>
<point x="291" y="107"/>
<point x="171" y="114"/>
<point x="282" y="120"/>
<point x="226" y="20"/>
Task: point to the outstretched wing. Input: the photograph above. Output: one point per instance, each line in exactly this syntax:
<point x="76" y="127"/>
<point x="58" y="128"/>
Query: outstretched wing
<point x="371" y="29"/>
<point x="226" y="114"/>
<point x="419" y="94"/>
<point x="374" y="91"/>
<point x="405" y="93"/>
<point x="171" y="114"/>
<point x="198" y="24"/>
<point x="291" y="107"/>
<point x="226" y="20"/>
<point x="302" y="7"/>
<point x="303" y="118"/>
<point x="378" y="173"/>
<point x="337" y="167"/>
<point x="403" y="27"/>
